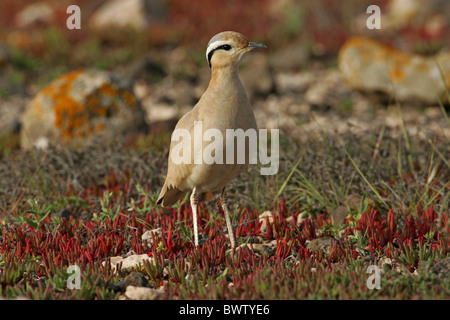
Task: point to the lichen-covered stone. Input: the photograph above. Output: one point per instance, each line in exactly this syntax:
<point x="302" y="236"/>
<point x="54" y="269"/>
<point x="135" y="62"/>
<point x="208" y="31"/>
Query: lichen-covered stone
<point x="372" y="66"/>
<point x="320" y="244"/>
<point x="78" y="107"/>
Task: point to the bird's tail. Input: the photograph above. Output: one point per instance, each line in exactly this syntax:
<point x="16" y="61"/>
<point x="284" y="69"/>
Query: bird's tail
<point x="169" y="196"/>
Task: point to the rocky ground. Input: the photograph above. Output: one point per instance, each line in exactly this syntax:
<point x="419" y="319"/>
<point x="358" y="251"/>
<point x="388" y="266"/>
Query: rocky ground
<point x="307" y="106"/>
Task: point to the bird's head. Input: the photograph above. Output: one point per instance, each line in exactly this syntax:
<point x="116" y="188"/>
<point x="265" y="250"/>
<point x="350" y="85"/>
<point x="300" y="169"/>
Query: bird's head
<point x="227" y="49"/>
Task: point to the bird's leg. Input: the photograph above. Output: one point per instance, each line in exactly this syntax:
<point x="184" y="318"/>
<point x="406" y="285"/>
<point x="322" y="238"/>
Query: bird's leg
<point x="194" y="202"/>
<point x="223" y="200"/>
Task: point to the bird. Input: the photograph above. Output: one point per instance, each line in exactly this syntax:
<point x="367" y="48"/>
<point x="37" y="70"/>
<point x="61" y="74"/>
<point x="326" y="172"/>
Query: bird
<point x="224" y="105"/>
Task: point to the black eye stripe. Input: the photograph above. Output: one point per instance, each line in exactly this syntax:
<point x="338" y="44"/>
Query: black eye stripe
<point x="225" y="47"/>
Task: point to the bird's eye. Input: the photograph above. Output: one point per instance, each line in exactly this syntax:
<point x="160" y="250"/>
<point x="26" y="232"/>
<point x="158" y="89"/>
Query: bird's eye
<point x="210" y="51"/>
<point x="225" y="47"/>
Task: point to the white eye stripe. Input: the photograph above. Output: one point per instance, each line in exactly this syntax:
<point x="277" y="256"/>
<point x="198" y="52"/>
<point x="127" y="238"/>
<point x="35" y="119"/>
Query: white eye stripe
<point x="214" y="45"/>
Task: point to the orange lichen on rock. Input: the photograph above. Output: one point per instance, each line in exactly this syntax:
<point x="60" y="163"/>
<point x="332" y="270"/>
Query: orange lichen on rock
<point x="64" y="107"/>
<point x="396" y="74"/>
<point x="373" y="66"/>
<point x="129" y="99"/>
<point x="71" y="115"/>
<point x="66" y="133"/>
<point x="108" y="90"/>
<point x="93" y="102"/>
<point x="100" y="111"/>
<point x="99" y="127"/>
<point x="360" y="43"/>
<point x="80" y="105"/>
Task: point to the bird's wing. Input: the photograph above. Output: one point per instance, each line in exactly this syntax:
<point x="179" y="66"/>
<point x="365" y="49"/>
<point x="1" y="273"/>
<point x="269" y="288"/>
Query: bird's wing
<point x="173" y="188"/>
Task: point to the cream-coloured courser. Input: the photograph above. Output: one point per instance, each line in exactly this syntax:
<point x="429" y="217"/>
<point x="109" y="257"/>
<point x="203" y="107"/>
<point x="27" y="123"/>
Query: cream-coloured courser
<point x="224" y="105"/>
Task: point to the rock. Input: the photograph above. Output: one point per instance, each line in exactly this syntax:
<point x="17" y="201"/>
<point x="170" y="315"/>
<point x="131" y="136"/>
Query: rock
<point x="263" y="220"/>
<point x="296" y="82"/>
<point x="388" y="264"/>
<point x="147" y="236"/>
<point x="400" y="13"/>
<point x="36" y="13"/>
<point x="260" y="248"/>
<point x="300" y="218"/>
<point x="283" y="112"/>
<point x="11" y="109"/>
<point x="339" y="214"/>
<point x="136" y="279"/>
<point x="137" y="14"/>
<point x="368" y="65"/>
<point x="320" y="244"/>
<point x="118" y="286"/>
<point x="79" y="107"/>
<point x="142" y="293"/>
<point x="353" y="202"/>
<point x="432" y="15"/>
<point x="129" y="263"/>
<point x="159" y="112"/>
<point x="328" y="90"/>
<point x="64" y="213"/>
<point x="265" y="248"/>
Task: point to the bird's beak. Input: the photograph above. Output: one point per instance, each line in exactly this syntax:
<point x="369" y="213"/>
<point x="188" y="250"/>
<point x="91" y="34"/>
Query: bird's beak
<point x="256" y="45"/>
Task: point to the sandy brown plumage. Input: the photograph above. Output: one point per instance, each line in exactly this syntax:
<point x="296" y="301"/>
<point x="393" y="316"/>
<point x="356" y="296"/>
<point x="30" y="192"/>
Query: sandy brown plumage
<point x="224" y="105"/>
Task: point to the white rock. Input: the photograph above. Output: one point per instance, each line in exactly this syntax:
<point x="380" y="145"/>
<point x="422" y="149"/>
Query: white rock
<point x="130" y="262"/>
<point x="120" y="13"/>
<point x="143" y="293"/>
<point x="147" y="236"/>
<point x="329" y="90"/>
<point x="294" y="82"/>
<point x="262" y="218"/>
<point x="300" y="219"/>
<point x="136" y="14"/>
<point x="158" y="112"/>
<point x="34" y="13"/>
